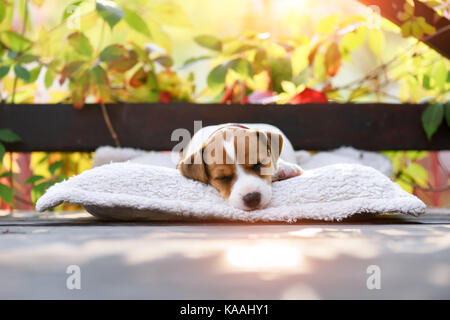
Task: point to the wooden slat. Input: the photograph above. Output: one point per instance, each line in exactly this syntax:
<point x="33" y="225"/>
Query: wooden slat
<point x="149" y="126"/>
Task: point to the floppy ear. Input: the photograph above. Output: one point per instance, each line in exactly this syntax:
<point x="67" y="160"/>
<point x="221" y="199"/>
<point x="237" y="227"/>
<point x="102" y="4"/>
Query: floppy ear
<point x="274" y="144"/>
<point x="193" y="167"/>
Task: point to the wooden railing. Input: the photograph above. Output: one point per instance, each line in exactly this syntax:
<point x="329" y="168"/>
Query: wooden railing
<point x="149" y="126"/>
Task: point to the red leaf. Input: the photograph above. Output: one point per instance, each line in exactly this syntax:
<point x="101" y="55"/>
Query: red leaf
<point x="309" y="96"/>
<point x="139" y="78"/>
<point x="313" y="52"/>
<point x="333" y="59"/>
<point x="69" y="70"/>
<point x="228" y="95"/>
<point x="164" y="97"/>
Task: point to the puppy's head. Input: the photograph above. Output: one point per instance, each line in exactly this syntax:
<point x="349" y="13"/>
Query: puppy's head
<point x="239" y="163"/>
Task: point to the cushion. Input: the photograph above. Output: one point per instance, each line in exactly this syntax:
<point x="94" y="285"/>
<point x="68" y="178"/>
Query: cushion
<point x="133" y="191"/>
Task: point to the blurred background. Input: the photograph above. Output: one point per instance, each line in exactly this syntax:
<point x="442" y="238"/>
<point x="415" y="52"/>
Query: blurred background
<point x="252" y="51"/>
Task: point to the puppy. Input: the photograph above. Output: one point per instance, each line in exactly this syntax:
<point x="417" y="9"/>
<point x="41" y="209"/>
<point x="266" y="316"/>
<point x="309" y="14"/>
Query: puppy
<point x="240" y="161"/>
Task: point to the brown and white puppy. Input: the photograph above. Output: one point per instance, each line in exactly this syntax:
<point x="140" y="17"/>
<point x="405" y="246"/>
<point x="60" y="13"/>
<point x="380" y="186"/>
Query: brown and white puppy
<point x="240" y="161"/>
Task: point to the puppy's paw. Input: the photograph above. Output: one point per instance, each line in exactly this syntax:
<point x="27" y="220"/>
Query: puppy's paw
<point x="287" y="170"/>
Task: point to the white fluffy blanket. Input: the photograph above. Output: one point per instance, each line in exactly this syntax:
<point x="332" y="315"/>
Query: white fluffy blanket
<point x="133" y="191"/>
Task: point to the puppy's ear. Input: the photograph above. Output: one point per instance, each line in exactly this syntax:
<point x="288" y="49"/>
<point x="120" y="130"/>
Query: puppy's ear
<point x="193" y="167"/>
<point x="274" y="144"/>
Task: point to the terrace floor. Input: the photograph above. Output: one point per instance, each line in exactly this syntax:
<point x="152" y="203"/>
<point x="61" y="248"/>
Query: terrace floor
<point x="212" y="260"/>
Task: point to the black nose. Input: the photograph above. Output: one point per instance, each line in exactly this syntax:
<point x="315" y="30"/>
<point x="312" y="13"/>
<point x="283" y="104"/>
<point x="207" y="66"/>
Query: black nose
<point x="252" y="200"/>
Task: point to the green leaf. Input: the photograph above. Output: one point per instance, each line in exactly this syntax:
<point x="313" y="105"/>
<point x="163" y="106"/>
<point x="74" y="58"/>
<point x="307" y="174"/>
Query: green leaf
<point x="27" y="58"/>
<point x="22" y="73"/>
<point x="243" y="48"/>
<point x="55" y="166"/>
<point x="136" y="22"/>
<point x="99" y="76"/>
<point x="80" y="43"/>
<point x="110" y="12"/>
<point x="40" y="188"/>
<point x="281" y="70"/>
<point x="33" y="179"/>
<point x="2" y="11"/>
<point x="165" y="61"/>
<point x="426" y="82"/>
<point x="34" y="74"/>
<point x="209" y="42"/>
<point x="432" y="118"/>
<point x="216" y="78"/>
<point x="194" y="60"/>
<point x="447" y="113"/>
<point x="14" y="41"/>
<point x="49" y="77"/>
<point x="70" y="9"/>
<point x="2" y="153"/>
<point x="7" y="135"/>
<point x="112" y="53"/>
<point x="7" y="174"/>
<point x="4" y="70"/>
<point x="6" y="193"/>
<point x="100" y="81"/>
<point x="70" y="70"/>
<point x="242" y="67"/>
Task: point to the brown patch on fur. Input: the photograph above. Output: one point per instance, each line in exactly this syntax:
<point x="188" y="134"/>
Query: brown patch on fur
<point x="193" y="167"/>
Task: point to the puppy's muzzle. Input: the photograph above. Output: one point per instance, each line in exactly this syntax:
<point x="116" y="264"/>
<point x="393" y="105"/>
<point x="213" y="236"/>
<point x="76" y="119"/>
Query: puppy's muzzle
<point x="252" y="200"/>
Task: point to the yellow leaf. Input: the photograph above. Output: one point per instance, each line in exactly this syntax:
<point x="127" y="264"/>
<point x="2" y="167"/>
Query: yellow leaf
<point x="377" y="41"/>
<point x="56" y="96"/>
<point x="288" y="87"/>
<point x="300" y="59"/>
<point x="39" y="3"/>
<point x="403" y="16"/>
<point x="418" y="173"/>
<point x="260" y="81"/>
<point x="406" y="29"/>
<point x="416" y="30"/>
<point x="170" y="13"/>
<point x="426" y="28"/>
<point x="405" y="186"/>
<point x="409" y="9"/>
<point x="327" y="25"/>
<point x="352" y="40"/>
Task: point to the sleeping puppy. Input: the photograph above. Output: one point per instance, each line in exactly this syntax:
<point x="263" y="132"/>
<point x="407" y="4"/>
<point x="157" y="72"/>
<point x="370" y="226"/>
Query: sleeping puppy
<point x="240" y="161"/>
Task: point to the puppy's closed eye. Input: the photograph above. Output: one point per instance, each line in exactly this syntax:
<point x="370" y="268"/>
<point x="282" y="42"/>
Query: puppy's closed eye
<point x="224" y="179"/>
<point x="257" y="167"/>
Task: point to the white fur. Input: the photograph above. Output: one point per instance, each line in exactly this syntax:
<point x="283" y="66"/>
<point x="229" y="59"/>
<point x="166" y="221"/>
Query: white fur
<point x="248" y="183"/>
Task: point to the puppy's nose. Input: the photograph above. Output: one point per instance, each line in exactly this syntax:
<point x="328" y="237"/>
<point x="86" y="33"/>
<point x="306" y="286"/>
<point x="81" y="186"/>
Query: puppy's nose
<point x="252" y="200"/>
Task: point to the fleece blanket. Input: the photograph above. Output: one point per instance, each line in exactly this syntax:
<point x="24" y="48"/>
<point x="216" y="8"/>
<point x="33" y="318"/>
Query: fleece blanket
<point x="305" y="159"/>
<point x="134" y="191"/>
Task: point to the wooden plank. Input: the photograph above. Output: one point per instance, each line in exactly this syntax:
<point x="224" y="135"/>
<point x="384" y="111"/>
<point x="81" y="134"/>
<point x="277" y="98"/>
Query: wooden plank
<point x="149" y="126"/>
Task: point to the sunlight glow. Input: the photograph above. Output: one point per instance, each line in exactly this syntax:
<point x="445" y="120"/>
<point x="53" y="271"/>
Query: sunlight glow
<point x="263" y="257"/>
